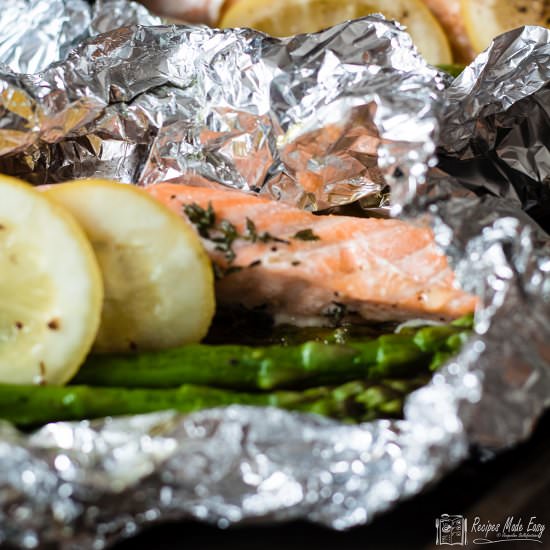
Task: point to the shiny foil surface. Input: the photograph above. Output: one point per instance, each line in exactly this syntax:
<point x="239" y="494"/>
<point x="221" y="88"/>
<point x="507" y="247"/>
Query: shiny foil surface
<point x="495" y="133"/>
<point x="144" y="104"/>
<point x="37" y="33"/>
<point x="313" y="120"/>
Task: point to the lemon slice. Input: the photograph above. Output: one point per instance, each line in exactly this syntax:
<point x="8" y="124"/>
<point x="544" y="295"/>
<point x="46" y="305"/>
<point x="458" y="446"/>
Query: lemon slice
<point x="50" y="289"/>
<point x="485" y="19"/>
<point x="289" y="17"/>
<point x="159" y="285"/>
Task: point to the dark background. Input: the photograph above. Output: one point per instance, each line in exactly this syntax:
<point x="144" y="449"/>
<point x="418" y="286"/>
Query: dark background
<point x="516" y="483"/>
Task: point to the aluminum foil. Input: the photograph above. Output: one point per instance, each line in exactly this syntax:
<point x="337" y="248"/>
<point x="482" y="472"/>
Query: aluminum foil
<point x="37" y="33"/>
<point x="89" y="483"/>
<point x="494" y="135"/>
<point x="309" y="120"/>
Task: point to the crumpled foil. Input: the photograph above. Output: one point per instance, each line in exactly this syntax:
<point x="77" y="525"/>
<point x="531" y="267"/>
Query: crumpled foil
<point x="494" y="135"/>
<point x="36" y="34"/>
<point x="313" y="120"/>
<point x="89" y="483"/>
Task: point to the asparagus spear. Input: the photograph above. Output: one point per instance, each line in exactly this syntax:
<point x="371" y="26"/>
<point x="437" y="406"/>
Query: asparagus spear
<point x="454" y="69"/>
<point x="359" y="401"/>
<point x="251" y="368"/>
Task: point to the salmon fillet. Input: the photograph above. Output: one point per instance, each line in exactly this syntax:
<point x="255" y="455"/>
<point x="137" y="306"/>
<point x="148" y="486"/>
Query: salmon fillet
<point x="307" y="269"/>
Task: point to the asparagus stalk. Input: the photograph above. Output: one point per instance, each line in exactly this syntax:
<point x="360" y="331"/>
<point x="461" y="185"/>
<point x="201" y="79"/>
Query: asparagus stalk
<point x="454" y="69"/>
<point x="355" y="401"/>
<point x="408" y="353"/>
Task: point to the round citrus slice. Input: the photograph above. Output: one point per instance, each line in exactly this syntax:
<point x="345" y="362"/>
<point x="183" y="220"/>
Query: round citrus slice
<point x="485" y="19"/>
<point x="159" y="285"/>
<point x="449" y="15"/>
<point x="289" y="17"/>
<point x="50" y="289"/>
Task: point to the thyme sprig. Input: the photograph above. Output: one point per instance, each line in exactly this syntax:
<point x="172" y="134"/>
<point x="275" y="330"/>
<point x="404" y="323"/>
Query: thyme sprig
<point x="203" y="219"/>
<point x="306" y="235"/>
<point x="224" y="234"/>
<point x="253" y="236"/>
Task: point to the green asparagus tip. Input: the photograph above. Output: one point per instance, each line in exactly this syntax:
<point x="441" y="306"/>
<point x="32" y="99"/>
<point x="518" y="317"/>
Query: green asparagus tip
<point x="467" y="322"/>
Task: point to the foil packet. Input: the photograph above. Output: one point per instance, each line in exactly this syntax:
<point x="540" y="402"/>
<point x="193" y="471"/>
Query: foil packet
<point x="118" y="106"/>
<point x="494" y="135"/>
<point x="309" y="119"/>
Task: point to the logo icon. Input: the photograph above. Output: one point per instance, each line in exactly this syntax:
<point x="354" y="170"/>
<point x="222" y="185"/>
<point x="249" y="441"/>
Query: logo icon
<point x="451" y="530"/>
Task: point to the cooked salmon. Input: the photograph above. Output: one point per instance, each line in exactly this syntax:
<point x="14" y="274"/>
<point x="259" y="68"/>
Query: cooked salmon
<point x="309" y="269"/>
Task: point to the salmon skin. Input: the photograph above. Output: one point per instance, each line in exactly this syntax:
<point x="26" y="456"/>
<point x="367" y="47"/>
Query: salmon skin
<point x="317" y="270"/>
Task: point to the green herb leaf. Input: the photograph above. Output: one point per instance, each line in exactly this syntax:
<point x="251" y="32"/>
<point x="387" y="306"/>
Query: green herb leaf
<point x="224" y="234"/>
<point x="251" y="233"/>
<point x="253" y="236"/>
<point x="306" y="235"/>
<point x="228" y="235"/>
<point x="203" y="220"/>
